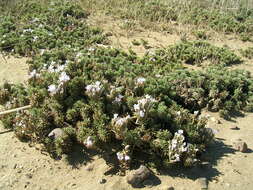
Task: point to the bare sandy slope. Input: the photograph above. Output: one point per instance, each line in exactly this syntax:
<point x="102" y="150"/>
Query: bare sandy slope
<point x="25" y="167"/>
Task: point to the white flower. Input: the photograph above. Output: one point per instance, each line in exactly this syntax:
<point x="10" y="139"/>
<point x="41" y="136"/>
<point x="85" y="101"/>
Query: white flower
<point x="91" y="49"/>
<point x="141" y="113"/>
<point x="34" y="74"/>
<point x="64" y="77"/>
<point x="177" y="157"/>
<point x="136" y="107"/>
<point x="120" y="122"/>
<point x="60" y="68"/>
<point x="79" y="54"/>
<point x="180" y="132"/>
<point x="118" y="98"/>
<point x="52" y="89"/>
<point x="140" y="81"/>
<point x="94" y="89"/>
<point x="35" y="38"/>
<point x="127" y="158"/>
<point x="120" y="156"/>
<point x="42" y="51"/>
<point x="89" y="142"/>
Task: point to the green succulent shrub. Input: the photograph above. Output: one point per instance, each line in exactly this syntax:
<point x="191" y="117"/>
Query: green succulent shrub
<point x="38" y="27"/>
<point x="82" y="92"/>
<point x="248" y="52"/>
<point x="194" y="52"/>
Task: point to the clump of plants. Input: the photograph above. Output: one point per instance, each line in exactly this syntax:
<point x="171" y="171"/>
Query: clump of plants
<point x="97" y="104"/>
<point x="195" y="53"/>
<point x="248" y="52"/>
<point x="106" y="99"/>
<point x="38" y="27"/>
<point x="216" y="88"/>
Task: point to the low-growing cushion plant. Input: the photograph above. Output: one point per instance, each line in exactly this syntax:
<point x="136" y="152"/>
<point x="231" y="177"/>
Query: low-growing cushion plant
<point x="195" y="53"/>
<point x="101" y="97"/>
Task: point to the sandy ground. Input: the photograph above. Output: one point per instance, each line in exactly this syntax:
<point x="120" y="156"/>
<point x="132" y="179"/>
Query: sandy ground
<point x="27" y="167"/>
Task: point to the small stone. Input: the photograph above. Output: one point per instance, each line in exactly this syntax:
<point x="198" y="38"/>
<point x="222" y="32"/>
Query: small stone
<point x="89" y="167"/>
<point x="102" y="181"/>
<point x="234" y="128"/>
<point x="218" y="121"/>
<point x="138" y="176"/>
<point x="29" y="176"/>
<point x="56" y="133"/>
<point x="14" y="166"/>
<point x="202" y="182"/>
<point x="170" y="188"/>
<point x="240" y="146"/>
<point x="148" y="183"/>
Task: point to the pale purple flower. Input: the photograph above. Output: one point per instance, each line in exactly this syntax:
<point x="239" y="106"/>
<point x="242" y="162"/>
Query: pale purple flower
<point x="118" y="99"/>
<point x="141" y="113"/>
<point x="120" y="156"/>
<point x="34" y="74"/>
<point x="52" y="89"/>
<point x="140" y="81"/>
<point x="127" y="158"/>
<point x="64" y="77"/>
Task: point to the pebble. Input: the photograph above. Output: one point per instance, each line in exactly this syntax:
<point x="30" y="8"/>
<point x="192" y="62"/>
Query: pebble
<point x="102" y="181"/>
<point x="240" y="146"/>
<point x="89" y="167"/>
<point x="234" y="128"/>
<point x="202" y="182"/>
<point x="56" y="133"/>
<point x="170" y="188"/>
<point x="15" y="166"/>
<point x="138" y="176"/>
<point x="29" y="176"/>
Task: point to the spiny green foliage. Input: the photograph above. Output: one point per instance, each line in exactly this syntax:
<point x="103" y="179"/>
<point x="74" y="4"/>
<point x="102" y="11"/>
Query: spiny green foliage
<point x="37" y="27"/>
<point x="208" y="14"/>
<point x="240" y="22"/>
<point x="248" y="52"/>
<point x="195" y="52"/>
<point x="216" y="88"/>
<point x="102" y="97"/>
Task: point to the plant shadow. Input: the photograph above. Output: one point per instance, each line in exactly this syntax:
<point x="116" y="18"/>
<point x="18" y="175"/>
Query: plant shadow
<point x="214" y="152"/>
<point x="79" y="156"/>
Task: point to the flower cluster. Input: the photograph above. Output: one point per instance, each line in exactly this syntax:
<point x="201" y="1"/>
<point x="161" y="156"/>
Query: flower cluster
<point x="53" y="89"/>
<point x="143" y="106"/>
<point x="118" y="99"/>
<point x="94" y="90"/>
<point x="180" y="151"/>
<point x="140" y="81"/>
<point x="33" y="74"/>
<point x="124" y="158"/>
<point x="119" y="125"/>
<point x="89" y="142"/>
<point x="177" y="146"/>
<point x="55" y="68"/>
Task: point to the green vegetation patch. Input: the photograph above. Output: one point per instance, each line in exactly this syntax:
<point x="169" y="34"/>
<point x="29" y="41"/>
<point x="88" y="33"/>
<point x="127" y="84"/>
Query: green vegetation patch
<point x="102" y="98"/>
<point x="248" y="52"/>
<point x="195" y="52"/>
